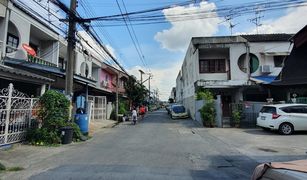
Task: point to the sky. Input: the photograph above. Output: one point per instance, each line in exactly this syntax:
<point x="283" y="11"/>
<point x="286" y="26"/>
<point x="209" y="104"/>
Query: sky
<point x="162" y="46"/>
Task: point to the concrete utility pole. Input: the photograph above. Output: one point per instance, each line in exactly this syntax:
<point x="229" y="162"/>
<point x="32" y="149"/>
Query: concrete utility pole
<point x="116" y="105"/>
<point x="149" y="87"/>
<point x="69" y="79"/>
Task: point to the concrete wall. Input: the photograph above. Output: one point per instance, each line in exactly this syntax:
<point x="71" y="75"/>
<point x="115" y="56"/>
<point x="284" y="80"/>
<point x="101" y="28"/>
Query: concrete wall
<point x="218" y="108"/>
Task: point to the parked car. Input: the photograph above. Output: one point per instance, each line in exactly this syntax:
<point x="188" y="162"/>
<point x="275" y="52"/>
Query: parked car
<point x="286" y="118"/>
<point x="169" y="107"/>
<point x="178" y="111"/>
<point x="281" y="171"/>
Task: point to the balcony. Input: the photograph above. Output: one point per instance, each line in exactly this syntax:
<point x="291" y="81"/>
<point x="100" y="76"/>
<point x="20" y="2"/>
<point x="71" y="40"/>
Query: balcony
<point x="38" y="60"/>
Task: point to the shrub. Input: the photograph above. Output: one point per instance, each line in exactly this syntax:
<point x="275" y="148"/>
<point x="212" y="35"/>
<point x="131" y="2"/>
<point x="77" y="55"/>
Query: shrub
<point x="208" y="111"/>
<point x="53" y="115"/>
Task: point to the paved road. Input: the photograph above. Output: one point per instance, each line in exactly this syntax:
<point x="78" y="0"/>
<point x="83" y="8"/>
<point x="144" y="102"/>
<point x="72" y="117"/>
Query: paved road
<point x="156" y="148"/>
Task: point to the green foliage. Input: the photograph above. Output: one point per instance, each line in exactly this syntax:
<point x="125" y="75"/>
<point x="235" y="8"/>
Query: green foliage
<point x="135" y="91"/>
<point x="207" y="112"/>
<point x="42" y="137"/>
<point x="2" y="167"/>
<point x="54" y="111"/>
<point x="204" y="95"/>
<point x="236" y="115"/>
<point x="122" y="108"/>
<point x="53" y="115"/>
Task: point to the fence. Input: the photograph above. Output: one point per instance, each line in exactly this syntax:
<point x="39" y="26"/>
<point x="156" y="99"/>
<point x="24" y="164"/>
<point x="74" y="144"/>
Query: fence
<point x="17" y="111"/>
<point x="249" y="113"/>
<point x="98" y="106"/>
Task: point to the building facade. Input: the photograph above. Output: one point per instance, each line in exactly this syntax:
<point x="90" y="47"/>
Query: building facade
<point x="231" y="66"/>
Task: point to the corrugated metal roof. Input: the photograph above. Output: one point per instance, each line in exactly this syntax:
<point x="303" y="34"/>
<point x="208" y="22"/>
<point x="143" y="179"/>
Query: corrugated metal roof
<point x="267" y="37"/>
<point x="19" y="72"/>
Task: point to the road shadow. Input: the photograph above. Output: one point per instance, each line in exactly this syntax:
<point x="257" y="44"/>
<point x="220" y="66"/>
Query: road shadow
<point x="271" y="132"/>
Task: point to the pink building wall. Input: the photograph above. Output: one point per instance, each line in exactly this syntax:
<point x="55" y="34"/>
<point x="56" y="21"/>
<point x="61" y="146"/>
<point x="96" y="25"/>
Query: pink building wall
<point x="105" y="76"/>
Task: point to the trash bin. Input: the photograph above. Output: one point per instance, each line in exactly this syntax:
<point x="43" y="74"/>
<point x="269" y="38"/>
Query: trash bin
<point x="66" y="134"/>
<point x="82" y="121"/>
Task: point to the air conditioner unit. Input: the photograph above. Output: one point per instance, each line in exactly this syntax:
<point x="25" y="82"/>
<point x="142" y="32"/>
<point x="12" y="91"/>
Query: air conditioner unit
<point x="266" y="68"/>
<point x="104" y="83"/>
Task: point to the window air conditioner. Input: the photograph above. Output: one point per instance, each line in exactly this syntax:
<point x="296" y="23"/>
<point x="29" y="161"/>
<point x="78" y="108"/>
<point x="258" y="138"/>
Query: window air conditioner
<point x="266" y="68"/>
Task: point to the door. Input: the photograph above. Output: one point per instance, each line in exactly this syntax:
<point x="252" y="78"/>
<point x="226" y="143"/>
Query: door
<point x="226" y="101"/>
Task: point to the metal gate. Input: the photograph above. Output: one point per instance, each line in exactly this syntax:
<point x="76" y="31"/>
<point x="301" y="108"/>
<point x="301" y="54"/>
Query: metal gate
<point x="16" y="113"/>
<point x="99" y="107"/>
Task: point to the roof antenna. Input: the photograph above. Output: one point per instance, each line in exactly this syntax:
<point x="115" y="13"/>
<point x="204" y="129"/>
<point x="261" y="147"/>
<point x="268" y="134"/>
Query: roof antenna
<point x="228" y="19"/>
<point x="256" y="19"/>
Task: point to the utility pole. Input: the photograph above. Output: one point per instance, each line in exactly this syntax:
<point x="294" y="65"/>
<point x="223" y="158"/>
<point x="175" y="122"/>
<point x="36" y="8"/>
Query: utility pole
<point x="116" y="105"/>
<point x="69" y="78"/>
<point x="149" y="87"/>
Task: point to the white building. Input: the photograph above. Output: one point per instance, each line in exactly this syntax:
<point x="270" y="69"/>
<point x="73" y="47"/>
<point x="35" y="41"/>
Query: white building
<point x="231" y="66"/>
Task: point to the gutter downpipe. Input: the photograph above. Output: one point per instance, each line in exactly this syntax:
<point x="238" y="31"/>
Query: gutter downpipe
<point x="248" y="61"/>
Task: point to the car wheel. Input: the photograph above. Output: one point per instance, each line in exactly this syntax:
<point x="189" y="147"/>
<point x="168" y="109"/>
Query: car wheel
<point x="286" y="129"/>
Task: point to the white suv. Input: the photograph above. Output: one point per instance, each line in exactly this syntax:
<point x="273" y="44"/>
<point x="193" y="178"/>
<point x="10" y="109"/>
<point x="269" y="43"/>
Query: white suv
<point x="286" y="118"/>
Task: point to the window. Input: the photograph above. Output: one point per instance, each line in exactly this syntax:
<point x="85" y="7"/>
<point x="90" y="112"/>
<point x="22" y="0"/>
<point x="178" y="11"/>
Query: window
<point x="278" y="61"/>
<point x="268" y="109"/>
<point x="212" y="66"/>
<point x="295" y="109"/>
<point x="253" y="63"/>
<point x="12" y="43"/>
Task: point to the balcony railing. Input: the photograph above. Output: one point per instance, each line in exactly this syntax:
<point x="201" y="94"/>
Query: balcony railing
<point x="38" y="60"/>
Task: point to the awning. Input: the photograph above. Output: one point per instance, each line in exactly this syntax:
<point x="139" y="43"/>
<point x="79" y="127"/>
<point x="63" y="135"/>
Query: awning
<point x="263" y="79"/>
<point x="11" y="73"/>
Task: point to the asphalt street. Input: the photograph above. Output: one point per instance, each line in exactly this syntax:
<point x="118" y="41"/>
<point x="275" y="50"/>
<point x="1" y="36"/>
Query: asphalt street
<point x="156" y="148"/>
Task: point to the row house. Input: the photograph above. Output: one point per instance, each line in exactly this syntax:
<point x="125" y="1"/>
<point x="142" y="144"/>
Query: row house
<point x="34" y="58"/>
<point x="233" y="67"/>
<point x="292" y="82"/>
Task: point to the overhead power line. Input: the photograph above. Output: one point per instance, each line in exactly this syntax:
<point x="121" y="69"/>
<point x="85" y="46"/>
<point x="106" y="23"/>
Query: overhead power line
<point x="132" y="36"/>
<point x="147" y="17"/>
<point x="91" y="32"/>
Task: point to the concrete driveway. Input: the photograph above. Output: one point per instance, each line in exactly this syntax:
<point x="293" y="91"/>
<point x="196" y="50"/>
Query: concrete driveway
<point x="263" y="146"/>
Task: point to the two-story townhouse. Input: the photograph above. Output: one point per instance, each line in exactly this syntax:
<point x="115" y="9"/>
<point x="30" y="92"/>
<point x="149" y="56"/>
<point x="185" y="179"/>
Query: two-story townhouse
<point x="231" y="66"/>
<point x="45" y="67"/>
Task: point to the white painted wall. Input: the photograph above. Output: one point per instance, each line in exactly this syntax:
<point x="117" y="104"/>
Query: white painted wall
<point x="189" y="72"/>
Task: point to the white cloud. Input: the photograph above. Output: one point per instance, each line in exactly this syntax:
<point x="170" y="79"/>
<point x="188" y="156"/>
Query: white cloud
<point x="163" y="79"/>
<point x="111" y="50"/>
<point x="179" y="35"/>
<point x="292" y="22"/>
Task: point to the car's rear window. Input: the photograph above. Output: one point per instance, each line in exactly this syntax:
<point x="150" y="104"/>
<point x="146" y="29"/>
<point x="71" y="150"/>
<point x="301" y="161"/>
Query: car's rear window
<point x="268" y="109"/>
<point x="178" y="109"/>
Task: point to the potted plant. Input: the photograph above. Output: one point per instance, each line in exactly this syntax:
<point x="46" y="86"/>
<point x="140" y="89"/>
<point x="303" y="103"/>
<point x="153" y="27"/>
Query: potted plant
<point x="236" y="116"/>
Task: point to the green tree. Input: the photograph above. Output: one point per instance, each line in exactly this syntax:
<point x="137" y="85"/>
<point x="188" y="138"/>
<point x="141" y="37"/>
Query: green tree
<point x="135" y="91"/>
